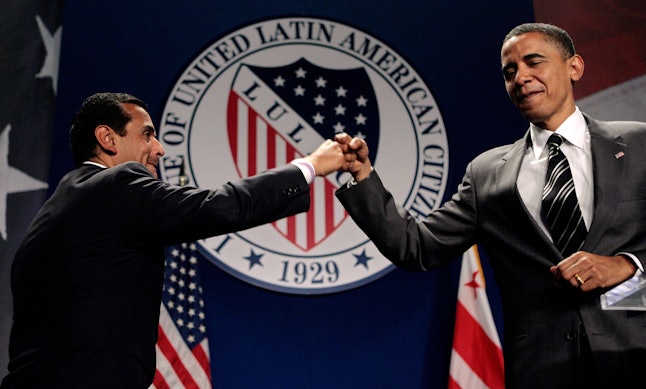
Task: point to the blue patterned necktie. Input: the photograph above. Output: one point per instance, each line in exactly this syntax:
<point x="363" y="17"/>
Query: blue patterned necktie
<point x="560" y="207"/>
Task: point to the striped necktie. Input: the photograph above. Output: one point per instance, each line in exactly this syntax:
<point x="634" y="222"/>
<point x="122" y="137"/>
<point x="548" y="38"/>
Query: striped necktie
<point x="560" y="207"/>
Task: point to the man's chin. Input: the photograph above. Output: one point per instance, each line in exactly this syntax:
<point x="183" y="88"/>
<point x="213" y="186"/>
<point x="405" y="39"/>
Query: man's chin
<point x="531" y="116"/>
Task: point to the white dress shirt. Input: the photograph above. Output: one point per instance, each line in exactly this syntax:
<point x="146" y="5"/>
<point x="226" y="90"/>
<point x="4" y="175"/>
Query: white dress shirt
<point x="576" y="147"/>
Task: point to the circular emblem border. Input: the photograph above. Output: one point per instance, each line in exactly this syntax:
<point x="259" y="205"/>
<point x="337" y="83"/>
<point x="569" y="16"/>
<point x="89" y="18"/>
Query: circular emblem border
<point x="395" y="82"/>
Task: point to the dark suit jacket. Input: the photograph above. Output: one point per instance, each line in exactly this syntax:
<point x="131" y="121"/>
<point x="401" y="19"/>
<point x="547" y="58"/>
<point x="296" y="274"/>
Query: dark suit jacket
<point x="88" y="275"/>
<point x="541" y="321"/>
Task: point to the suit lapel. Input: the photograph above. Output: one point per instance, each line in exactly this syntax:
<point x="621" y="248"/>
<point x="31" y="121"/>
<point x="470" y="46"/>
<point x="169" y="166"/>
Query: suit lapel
<point x="507" y="175"/>
<point x="506" y="178"/>
<point x="607" y="166"/>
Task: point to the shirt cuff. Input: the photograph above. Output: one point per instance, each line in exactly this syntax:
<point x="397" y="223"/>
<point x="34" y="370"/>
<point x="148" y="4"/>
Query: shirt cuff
<point x="306" y="168"/>
<point x="636" y="261"/>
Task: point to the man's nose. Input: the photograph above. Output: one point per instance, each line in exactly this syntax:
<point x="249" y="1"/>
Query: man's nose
<point x="158" y="148"/>
<point x="523" y="75"/>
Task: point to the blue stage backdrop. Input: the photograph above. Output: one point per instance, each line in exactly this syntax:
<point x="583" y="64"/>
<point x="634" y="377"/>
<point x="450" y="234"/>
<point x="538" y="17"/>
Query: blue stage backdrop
<point x="309" y="303"/>
<point x="237" y="87"/>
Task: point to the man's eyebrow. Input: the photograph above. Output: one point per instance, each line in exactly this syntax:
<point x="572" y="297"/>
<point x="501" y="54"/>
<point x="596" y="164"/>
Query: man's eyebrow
<point x="527" y="57"/>
<point x="150" y="128"/>
<point x="509" y="66"/>
<point x="532" y="56"/>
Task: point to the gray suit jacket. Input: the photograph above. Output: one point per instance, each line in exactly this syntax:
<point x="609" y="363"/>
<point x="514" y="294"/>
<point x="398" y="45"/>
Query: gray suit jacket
<point x="542" y="322"/>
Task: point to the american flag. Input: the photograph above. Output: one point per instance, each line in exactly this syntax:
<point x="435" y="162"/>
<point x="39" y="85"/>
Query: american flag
<point x="476" y="358"/>
<point x="30" y="41"/>
<point x="182" y="348"/>
<point x="266" y="103"/>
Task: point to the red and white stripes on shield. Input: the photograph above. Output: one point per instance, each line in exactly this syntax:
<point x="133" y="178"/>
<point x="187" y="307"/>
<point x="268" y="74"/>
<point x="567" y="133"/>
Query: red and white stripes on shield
<point x="257" y="146"/>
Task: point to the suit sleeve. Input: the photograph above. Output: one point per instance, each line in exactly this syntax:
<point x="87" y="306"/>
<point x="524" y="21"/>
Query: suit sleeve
<point x="172" y="214"/>
<point x="411" y="244"/>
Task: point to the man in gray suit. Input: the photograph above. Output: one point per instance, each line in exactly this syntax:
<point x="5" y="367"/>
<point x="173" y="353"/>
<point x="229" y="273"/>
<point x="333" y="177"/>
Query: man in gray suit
<point x="87" y="277"/>
<point x="556" y="333"/>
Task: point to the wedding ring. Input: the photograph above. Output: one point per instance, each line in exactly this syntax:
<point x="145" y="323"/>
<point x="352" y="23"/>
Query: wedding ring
<point x="579" y="279"/>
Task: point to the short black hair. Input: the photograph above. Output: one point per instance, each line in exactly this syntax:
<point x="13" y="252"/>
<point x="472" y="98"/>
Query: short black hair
<point x="100" y="108"/>
<point x="554" y="34"/>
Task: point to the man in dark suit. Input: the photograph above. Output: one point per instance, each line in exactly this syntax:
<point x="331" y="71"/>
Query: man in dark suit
<point x="88" y="276"/>
<point x="556" y="333"/>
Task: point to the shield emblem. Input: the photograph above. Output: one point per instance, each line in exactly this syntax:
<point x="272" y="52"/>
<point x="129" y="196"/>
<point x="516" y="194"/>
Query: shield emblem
<point x="276" y="114"/>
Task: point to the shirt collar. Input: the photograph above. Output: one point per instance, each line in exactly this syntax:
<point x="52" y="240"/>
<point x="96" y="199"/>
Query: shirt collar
<point x="573" y="130"/>
<point x="94" y="164"/>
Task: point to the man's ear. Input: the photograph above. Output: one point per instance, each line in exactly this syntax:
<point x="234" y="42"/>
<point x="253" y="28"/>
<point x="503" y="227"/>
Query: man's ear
<point x="576" y="68"/>
<point x="105" y="137"/>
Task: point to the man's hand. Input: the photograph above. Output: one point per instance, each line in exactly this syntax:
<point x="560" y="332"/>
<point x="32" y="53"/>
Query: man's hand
<point x="588" y="271"/>
<point x="355" y="151"/>
<point x="327" y="158"/>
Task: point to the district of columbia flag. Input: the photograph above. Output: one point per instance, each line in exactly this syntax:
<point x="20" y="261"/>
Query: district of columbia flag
<point x="182" y="348"/>
<point x="476" y="358"/>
